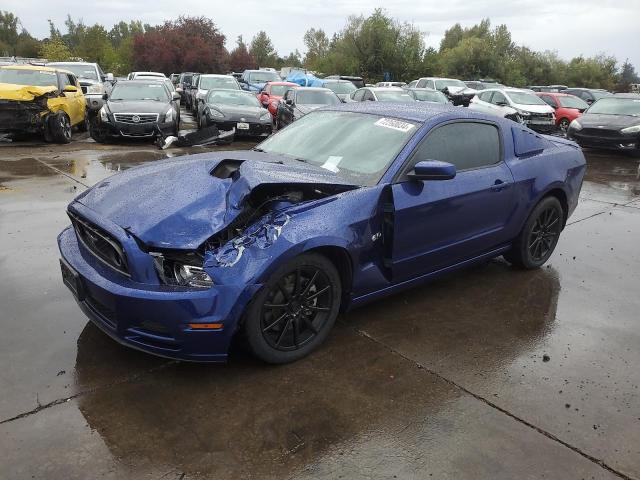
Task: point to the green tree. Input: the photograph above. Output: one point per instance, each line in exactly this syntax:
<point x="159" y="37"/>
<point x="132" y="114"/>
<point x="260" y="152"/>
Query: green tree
<point x="26" y="45"/>
<point x="9" y="24"/>
<point x="317" y="44"/>
<point x="95" y="46"/>
<point x="262" y="49"/>
<point x="55" y="51"/>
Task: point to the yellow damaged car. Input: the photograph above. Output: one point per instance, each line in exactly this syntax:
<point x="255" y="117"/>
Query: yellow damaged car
<point x="40" y="100"/>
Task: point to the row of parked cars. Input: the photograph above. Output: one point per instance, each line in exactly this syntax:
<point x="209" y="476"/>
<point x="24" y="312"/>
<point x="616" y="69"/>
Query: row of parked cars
<point x="66" y="95"/>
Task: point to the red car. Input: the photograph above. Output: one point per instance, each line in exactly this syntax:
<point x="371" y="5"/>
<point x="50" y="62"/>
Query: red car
<point x="567" y="107"/>
<point x="272" y="93"/>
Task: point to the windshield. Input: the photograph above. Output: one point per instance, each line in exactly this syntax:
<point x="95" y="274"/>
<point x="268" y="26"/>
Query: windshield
<point x="572" y="102"/>
<point x="429" y="96"/>
<point x="207" y="83"/>
<point x="597" y="94"/>
<point x="441" y="84"/>
<point x="393" y="96"/>
<point x="523" y="98"/>
<point x="341" y="87"/>
<point x="139" y="91"/>
<point x="230" y="97"/>
<point x="36" y="78"/>
<point x="357" y="147"/>
<point x="279" y="90"/>
<point x="616" y="106"/>
<point x="263" y="77"/>
<point x="316" y="97"/>
<point x="79" y="70"/>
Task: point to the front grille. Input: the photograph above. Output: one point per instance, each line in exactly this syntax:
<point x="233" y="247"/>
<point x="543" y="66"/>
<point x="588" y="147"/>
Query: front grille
<point x="604" y="133"/>
<point x="102" y="245"/>
<point x="541" y="116"/>
<point x="136" y="118"/>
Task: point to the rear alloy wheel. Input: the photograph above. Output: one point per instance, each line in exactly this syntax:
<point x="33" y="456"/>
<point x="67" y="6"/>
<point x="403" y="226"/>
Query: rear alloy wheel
<point x="295" y="310"/>
<point x="60" y="127"/>
<point x="564" y="125"/>
<point x="539" y="236"/>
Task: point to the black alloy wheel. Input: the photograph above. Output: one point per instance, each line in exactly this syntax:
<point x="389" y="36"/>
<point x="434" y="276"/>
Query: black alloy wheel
<point x="295" y="310"/>
<point x="539" y="236"/>
<point x="544" y="234"/>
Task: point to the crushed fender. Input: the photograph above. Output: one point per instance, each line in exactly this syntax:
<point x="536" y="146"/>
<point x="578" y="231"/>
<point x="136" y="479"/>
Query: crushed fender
<point x="206" y="136"/>
<point x="261" y="234"/>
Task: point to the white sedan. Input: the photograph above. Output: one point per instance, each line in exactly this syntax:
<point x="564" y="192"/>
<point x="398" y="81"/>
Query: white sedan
<point x="518" y="105"/>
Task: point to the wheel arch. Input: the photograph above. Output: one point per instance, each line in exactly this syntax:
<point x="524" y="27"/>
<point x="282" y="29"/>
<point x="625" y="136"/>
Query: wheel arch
<point x="340" y="258"/>
<point x="561" y="195"/>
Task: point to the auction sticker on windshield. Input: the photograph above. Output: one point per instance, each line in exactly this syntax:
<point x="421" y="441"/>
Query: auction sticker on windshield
<point x="395" y="124"/>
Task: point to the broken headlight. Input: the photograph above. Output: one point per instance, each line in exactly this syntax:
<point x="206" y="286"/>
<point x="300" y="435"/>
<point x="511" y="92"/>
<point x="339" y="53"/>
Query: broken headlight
<point x="103" y="115"/>
<point x="97" y="88"/>
<point x="183" y="271"/>
<point x="168" y="116"/>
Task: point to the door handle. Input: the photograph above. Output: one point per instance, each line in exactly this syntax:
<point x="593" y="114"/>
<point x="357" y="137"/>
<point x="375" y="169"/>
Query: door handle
<point x="499" y="185"/>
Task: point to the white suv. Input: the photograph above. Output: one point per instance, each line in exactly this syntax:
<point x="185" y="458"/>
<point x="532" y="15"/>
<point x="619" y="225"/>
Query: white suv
<point x="518" y="105"/>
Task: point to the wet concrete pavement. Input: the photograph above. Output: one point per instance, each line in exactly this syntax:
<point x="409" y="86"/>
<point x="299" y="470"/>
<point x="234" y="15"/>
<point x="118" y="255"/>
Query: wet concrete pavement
<point x="488" y="373"/>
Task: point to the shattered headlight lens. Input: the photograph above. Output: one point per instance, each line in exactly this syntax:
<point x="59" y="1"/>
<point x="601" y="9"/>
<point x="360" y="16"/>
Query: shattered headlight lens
<point x="524" y="113"/>
<point x="180" y="273"/>
<point x="97" y="88"/>
<point x="191" y="276"/>
<point x="634" y="129"/>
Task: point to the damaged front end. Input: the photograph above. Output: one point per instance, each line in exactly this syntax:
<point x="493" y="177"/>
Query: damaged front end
<point x="24" y="116"/>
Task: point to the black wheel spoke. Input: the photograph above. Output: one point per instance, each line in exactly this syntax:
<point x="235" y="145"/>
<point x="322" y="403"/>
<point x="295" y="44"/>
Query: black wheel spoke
<point x="309" y="283"/>
<point x="273" y="324"/>
<point x="283" y="332"/>
<point x="309" y="324"/>
<point x="318" y="309"/>
<point x="319" y="292"/>
<point x="276" y="305"/>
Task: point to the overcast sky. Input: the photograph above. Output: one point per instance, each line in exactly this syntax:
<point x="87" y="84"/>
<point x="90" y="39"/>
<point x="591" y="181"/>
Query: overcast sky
<point x="571" y="27"/>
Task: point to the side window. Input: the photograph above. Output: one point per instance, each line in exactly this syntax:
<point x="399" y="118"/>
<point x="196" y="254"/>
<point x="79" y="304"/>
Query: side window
<point x="358" y="95"/>
<point x="548" y="100"/>
<point x="368" y="95"/>
<point x="431" y="84"/>
<point x="422" y="83"/>
<point x="289" y="94"/>
<point x="466" y="145"/>
<point x="64" y="80"/>
<point x="412" y="84"/>
<point x="72" y="80"/>
<point x="498" y="98"/>
<point x="485" y="96"/>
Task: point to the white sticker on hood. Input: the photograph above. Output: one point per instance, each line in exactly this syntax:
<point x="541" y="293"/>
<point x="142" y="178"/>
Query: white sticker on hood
<point x="332" y="164"/>
<point x="395" y="124"/>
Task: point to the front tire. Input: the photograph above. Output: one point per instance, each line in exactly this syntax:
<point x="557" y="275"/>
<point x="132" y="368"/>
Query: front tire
<point x="539" y="236"/>
<point x="60" y="127"/>
<point x="564" y="125"/>
<point x="295" y="310"/>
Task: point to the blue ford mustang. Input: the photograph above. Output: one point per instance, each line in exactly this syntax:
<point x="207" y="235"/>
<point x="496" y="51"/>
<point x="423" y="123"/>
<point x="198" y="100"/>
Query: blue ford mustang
<point x="345" y="206"/>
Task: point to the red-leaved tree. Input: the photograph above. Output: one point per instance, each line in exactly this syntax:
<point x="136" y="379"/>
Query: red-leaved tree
<point x="186" y="44"/>
<point x="240" y="59"/>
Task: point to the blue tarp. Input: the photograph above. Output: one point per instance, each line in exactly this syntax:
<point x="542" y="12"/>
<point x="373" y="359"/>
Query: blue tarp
<point x="304" y="79"/>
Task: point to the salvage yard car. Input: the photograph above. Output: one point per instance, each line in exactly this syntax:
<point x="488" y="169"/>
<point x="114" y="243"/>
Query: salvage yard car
<point x="427" y="95"/>
<point x="567" y="107"/>
<point x="93" y="81"/>
<point x="40" y="100"/>
<point x="517" y="105"/>
<point x="208" y="82"/>
<point x="255" y="80"/>
<point x="382" y="94"/>
<point x="272" y="93"/>
<point x="236" y="109"/>
<point x="137" y="109"/>
<point x="613" y="122"/>
<point x="346" y="205"/>
<point x="297" y="102"/>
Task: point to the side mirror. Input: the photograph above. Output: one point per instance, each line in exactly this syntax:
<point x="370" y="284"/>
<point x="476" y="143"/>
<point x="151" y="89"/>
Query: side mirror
<point x="109" y="77"/>
<point x="433" y="170"/>
<point x="70" y="89"/>
<point x="175" y="96"/>
<point x="105" y="96"/>
<point x="244" y="86"/>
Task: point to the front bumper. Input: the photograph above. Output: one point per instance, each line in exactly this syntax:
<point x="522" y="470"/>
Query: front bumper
<point x="153" y="318"/>
<point x="21" y="117"/>
<point x="256" y="129"/>
<point x="94" y="101"/>
<point x="606" y="139"/>
<point x="140" y="130"/>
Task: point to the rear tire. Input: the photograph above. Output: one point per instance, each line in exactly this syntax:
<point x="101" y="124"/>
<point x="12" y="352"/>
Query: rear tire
<point x="563" y="125"/>
<point x="539" y="236"/>
<point x="60" y="127"/>
<point x="294" y="311"/>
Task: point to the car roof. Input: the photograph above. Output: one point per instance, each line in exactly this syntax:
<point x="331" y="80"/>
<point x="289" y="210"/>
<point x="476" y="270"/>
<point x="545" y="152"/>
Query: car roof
<point x="72" y="63"/>
<point x="555" y="94"/>
<point x="314" y="89"/>
<point x="35" y="68"/>
<point x="423" y="89"/>
<point x="215" y="75"/>
<point x="385" y="89"/>
<point x="286" y="84"/>
<point x="234" y="90"/>
<point x="633" y="96"/>
<point x="419" y="112"/>
<point x="157" y="80"/>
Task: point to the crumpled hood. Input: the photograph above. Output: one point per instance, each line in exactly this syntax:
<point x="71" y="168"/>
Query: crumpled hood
<point x="178" y="204"/>
<point x="612" y="122"/>
<point x="25" y="93"/>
